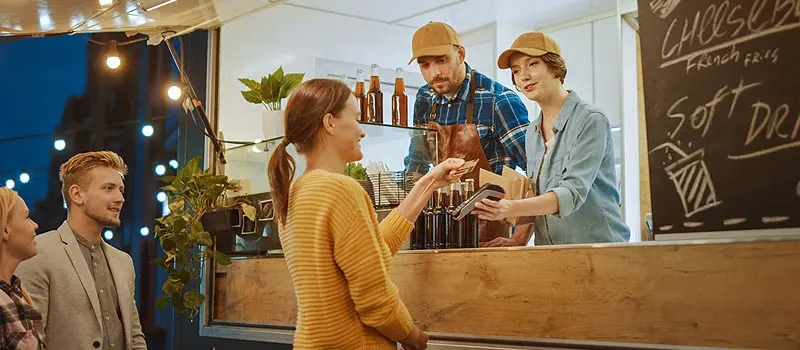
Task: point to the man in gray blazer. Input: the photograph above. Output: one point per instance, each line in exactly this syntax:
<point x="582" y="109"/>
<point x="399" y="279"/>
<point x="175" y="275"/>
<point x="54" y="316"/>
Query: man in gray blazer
<point x="83" y="286"/>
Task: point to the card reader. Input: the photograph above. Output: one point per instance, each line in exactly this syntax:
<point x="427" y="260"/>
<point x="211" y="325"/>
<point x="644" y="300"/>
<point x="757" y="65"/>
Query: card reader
<point x="489" y="190"/>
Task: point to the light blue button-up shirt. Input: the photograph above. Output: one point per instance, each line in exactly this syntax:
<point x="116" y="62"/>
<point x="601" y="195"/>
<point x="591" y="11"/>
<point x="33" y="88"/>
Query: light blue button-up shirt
<point x="580" y="171"/>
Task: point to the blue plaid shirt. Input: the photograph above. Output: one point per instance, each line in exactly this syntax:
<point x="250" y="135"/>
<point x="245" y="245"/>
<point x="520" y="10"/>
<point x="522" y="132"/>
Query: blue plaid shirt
<point x="500" y="116"/>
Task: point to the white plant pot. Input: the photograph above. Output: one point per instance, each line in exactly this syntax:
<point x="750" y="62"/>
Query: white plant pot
<point x="272" y="124"/>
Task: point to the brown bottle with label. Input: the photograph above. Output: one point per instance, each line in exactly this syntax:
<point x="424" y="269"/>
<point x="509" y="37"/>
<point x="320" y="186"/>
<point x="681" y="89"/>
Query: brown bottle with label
<point x="472" y="230"/>
<point x="361" y="94"/>
<point x="374" y="97"/>
<point x="399" y="101"/>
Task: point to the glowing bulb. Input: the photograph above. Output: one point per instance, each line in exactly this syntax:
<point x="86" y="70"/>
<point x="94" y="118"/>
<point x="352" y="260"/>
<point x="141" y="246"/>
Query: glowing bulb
<point x="24" y="178"/>
<point x="173" y="163"/>
<point x="60" y="145"/>
<point x="174" y="92"/>
<point x="161" y="196"/>
<point x="113" y="62"/>
<point x="10" y="184"/>
<point x="108" y="234"/>
<point x="144" y="231"/>
<point x="161" y="170"/>
<point x="112" y="59"/>
<point x="147" y="130"/>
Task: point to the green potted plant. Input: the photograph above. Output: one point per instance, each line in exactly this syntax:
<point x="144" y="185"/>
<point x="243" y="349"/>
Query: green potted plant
<point x="198" y="224"/>
<point x="269" y="93"/>
<point x="359" y="173"/>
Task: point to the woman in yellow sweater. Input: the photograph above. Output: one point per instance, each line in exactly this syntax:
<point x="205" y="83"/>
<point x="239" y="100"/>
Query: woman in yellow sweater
<point x="339" y="256"/>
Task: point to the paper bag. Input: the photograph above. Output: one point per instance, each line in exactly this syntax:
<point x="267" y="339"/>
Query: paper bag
<point x="515" y="184"/>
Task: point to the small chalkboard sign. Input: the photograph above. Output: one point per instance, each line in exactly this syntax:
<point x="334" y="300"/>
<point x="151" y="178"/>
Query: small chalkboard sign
<point x="722" y="102"/>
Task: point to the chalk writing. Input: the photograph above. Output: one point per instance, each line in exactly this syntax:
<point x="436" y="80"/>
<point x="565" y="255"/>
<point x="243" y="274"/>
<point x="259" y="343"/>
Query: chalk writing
<point x="703" y="114"/>
<point x="770" y="123"/>
<point x="663" y="8"/>
<point x="723" y="23"/>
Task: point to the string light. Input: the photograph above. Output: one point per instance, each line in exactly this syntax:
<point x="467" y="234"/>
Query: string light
<point x="144" y="231"/>
<point x="24" y="178"/>
<point x="161" y="196"/>
<point x="173" y="163"/>
<point x="10" y="184"/>
<point x="147" y="130"/>
<point x="174" y="92"/>
<point x="59" y="145"/>
<point x="112" y="58"/>
<point x="161" y="170"/>
<point x="108" y="234"/>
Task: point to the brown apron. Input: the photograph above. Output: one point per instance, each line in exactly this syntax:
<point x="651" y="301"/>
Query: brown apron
<point x="463" y="141"/>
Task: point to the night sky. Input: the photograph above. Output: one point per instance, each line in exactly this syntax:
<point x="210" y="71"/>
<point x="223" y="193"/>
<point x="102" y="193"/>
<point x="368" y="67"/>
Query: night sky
<point x="37" y="76"/>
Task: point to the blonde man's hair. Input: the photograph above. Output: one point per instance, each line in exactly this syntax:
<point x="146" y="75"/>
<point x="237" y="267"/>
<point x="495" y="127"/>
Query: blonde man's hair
<point x="74" y="171"/>
<point x="7" y="200"/>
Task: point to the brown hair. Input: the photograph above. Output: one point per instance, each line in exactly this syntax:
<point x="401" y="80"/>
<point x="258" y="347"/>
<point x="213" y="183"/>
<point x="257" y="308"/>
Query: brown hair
<point x="74" y="171"/>
<point x="306" y="107"/>
<point x="555" y="64"/>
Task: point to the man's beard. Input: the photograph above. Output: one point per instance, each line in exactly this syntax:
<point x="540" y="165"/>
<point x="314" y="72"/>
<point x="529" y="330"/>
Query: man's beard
<point x="105" y="221"/>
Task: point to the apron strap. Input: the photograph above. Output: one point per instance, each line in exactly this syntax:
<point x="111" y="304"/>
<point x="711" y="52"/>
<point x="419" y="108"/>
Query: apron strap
<point x="471" y="101"/>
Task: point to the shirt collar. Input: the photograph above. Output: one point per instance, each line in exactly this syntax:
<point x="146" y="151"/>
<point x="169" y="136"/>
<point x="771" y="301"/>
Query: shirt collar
<point x="563" y="114"/>
<point x="15" y="286"/>
<point x="85" y="242"/>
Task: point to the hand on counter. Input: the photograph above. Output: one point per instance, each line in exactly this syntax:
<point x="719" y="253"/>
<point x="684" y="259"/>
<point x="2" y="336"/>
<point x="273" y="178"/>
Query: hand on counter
<point x="488" y="209"/>
<point x="502" y="242"/>
<point x="416" y="340"/>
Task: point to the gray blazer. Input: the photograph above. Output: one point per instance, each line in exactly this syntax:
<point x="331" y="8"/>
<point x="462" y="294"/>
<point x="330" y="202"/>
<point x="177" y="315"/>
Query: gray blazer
<point x="63" y="290"/>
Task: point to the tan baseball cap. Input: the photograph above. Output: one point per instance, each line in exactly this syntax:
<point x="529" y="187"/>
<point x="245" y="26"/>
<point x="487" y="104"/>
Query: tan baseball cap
<point x="433" y="39"/>
<point x="532" y="44"/>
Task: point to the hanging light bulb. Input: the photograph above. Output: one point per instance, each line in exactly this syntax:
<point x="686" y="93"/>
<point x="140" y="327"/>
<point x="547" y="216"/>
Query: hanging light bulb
<point x="59" y="144"/>
<point x="174" y="92"/>
<point x="24" y="178"/>
<point x="112" y="59"/>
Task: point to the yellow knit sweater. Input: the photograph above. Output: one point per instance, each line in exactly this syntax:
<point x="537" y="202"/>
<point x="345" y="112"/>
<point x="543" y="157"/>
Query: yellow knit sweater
<point x="339" y="259"/>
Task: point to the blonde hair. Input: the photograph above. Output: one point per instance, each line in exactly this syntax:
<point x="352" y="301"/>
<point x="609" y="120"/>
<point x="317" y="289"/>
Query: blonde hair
<point x="8" y="198"/>
<point x="74" y="171"/>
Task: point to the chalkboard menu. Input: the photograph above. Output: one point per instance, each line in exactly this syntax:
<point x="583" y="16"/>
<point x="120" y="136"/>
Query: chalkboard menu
<point x="722" y="101"/>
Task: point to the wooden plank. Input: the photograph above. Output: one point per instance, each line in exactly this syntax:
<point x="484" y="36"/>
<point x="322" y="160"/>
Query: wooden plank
<point x="723" y="294"/>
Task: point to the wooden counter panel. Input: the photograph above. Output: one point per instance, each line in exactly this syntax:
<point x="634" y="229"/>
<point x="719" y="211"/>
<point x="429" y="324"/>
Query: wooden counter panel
<point x="726" y="295"/>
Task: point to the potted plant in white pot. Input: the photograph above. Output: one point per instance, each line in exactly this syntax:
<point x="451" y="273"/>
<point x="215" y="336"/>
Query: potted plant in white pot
<point x="269" y="93"/>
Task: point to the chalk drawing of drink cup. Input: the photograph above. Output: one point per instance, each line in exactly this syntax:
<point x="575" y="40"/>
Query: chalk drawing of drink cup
<point x="691" y="178"/>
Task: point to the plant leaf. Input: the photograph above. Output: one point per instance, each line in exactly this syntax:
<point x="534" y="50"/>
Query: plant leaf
<point x="162" y="302"/>
<point x="279" y="73"/>
<point x="168" y="179"/>
<point x="182" y="276"/>
<point x="203" y="238"/>
<point x="250" y="83"/>
<point x="249" y="211"/>
<point x="252" y="96"/>
<point x="171" y="286"/>
<point x="291" y="82"/>
<point x="271" y="89"/>
<point x="222" y="258"/>
<point x="176" y="205"/>
<point x="192" y="299"/>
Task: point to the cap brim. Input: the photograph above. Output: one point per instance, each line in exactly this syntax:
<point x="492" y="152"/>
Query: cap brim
<point x="432" y="51"/>
<point x="504" y="61"/>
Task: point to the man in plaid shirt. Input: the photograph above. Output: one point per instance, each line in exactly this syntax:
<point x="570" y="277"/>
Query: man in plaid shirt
<point x="499" y="114"/>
